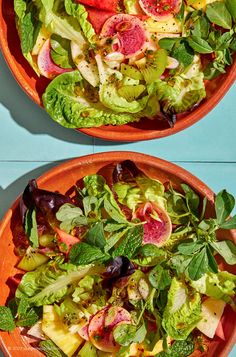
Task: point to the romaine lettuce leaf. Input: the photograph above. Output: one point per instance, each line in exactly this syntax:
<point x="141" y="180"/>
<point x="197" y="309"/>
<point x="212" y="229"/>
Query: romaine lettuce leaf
<point x="182" y="312"/>
<point x="66" y="103"/>
<point x="79" y="12"/>
<point x="221" y="286"/>
<point x="184" y="91"/>
<point x="50" y="282"/>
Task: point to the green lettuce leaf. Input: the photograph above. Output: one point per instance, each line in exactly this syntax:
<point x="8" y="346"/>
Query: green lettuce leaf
<point x="67" y="104"/>
<point x="79" y="12"/>
<point x="182" y="312"/>
<point x="50" y="282"/>
<point x="220" y="286"/>
<point x="185" y="90"/>
<point x="142" y="189"/>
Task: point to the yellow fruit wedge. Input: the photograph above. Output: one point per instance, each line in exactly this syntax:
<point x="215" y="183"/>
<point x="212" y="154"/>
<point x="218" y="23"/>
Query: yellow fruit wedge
<point x="169" y="26"/>
<point x="53" y="328"/>
<point x="212" y="311"/>
<point x="157" y="348"/>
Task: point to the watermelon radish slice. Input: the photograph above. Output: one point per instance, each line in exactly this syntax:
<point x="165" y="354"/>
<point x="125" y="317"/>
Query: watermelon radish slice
<point x="128" y="32"/>
<point x="101" y="327"/>
<point x="160" y="10"/>
<point x="158" y="227"/>
<point x="47" y="67"/>
<point x="109" y="5"/>
<point x="83" y="332"/>
<point x="98" y="17"/>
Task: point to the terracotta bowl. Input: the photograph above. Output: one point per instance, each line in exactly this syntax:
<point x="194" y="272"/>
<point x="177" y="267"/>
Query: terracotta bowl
<point x="61" y="179"/>
<point x="144" y="130"/>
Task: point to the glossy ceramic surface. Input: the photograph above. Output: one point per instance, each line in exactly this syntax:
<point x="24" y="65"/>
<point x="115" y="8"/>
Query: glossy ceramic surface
<point x="144" y="130"/>
<point x="61" y="178"/>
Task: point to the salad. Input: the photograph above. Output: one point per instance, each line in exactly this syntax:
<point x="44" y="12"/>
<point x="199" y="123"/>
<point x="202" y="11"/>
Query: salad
<point x="124" y="265"/>
<point x="115" y="62"/>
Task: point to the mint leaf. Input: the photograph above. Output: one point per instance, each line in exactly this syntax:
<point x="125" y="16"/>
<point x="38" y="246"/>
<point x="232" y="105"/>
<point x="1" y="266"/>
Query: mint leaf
<point x="199" y="45"/>
<point x="218" y="14"/>
<point x="159" y="278"/>
<point x="131" y="242"/>
<point x="227" y="250"/>
<point x="224" y="204"/>
<point x="83" y="254"/>
<point x="31" y="229"/>
<point x="95" y="236"/>
<point x="26" y="315"/>
<point x="231" y="7"/>
<point x="6" y="321"/>
<point x="168" y="43"/>
<point x="50" y="349"/>
<point x="229" y="224"/>
<point x="113" y="212"/>
<point x="183" y="53"/>
<point x="198" y="265"/>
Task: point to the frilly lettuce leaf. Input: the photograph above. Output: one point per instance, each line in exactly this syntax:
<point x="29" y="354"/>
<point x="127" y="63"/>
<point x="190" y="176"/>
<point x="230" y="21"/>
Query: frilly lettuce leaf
<point x="66" y="103"/>
<point x="79" y="12"/>
<point x="182" y="312"/>
<point x="50" y="282"/>
<point x="184" y="90"/>
<point x="142" y="189"/>
<point x="221" y="286"/>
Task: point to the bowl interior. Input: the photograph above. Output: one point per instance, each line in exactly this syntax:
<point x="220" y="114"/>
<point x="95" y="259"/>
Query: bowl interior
<point x="61" y="179"/>
<point x="143" y="130"/>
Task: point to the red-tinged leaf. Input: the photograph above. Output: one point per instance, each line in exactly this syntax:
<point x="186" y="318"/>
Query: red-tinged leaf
<point x="98" y="17"/>
<point x="108" y="5"/>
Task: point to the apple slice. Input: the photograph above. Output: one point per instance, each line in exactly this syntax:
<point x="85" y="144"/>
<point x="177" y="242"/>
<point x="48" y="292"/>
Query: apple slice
<point x="212" y="310"/>
<point x="47" y="67"/>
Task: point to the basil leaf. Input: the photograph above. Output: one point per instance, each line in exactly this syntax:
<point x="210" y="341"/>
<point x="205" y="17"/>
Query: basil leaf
<point x="218" y="14"/>
<point x="201" y="27"/>
<point x="31" y="229"/>
<point x="229" y="224"/>
<point x="130" y="243"/>
<point x="159" y="278"/>
<point x="6" y="321"/>
<point x="95" y="236"/>
<point x="83" y="254"/>
<point x="189" y="248"/>
<point x="212" y="264"/>
<point x="168" y="43"/>
<point x="199" y="45"/>
<point x="224" y="204"/>
<point x="231" y="6"/>
<point x="227" y="250"/>
<point x="113" y="212"/>
<point x="198" y="265"/>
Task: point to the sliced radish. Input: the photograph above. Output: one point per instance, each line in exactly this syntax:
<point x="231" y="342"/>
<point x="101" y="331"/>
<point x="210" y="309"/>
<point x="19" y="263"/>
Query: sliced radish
<point x="160" y="10"/>
<point x="83" y="332"/>
<point x="158" y="227"/>
<point x="46" y="66"/>
<point x="128" y="30"/>
<point x="101" y="327"/>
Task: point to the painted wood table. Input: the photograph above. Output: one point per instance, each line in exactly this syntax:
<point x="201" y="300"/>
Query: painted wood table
<point x="31" y="143"/>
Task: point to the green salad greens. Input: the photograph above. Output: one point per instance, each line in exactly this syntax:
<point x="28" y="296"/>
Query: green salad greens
<point x="115" y="62"/>
<point x="123" y="266"/>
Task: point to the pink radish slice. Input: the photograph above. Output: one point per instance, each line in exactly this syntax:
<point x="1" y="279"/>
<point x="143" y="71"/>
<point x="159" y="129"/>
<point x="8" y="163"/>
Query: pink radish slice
<point x="101" y="327"/>
<point x="83" y="332"/>
<point x="161" y="10"/>
<point x="46" y="66"/>
<point x="128" y="31"/>
<point x="156" y="231"/>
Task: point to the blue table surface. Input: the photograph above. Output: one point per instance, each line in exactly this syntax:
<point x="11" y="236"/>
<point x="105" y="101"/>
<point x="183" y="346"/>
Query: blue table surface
<point x="31" y="143"/>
